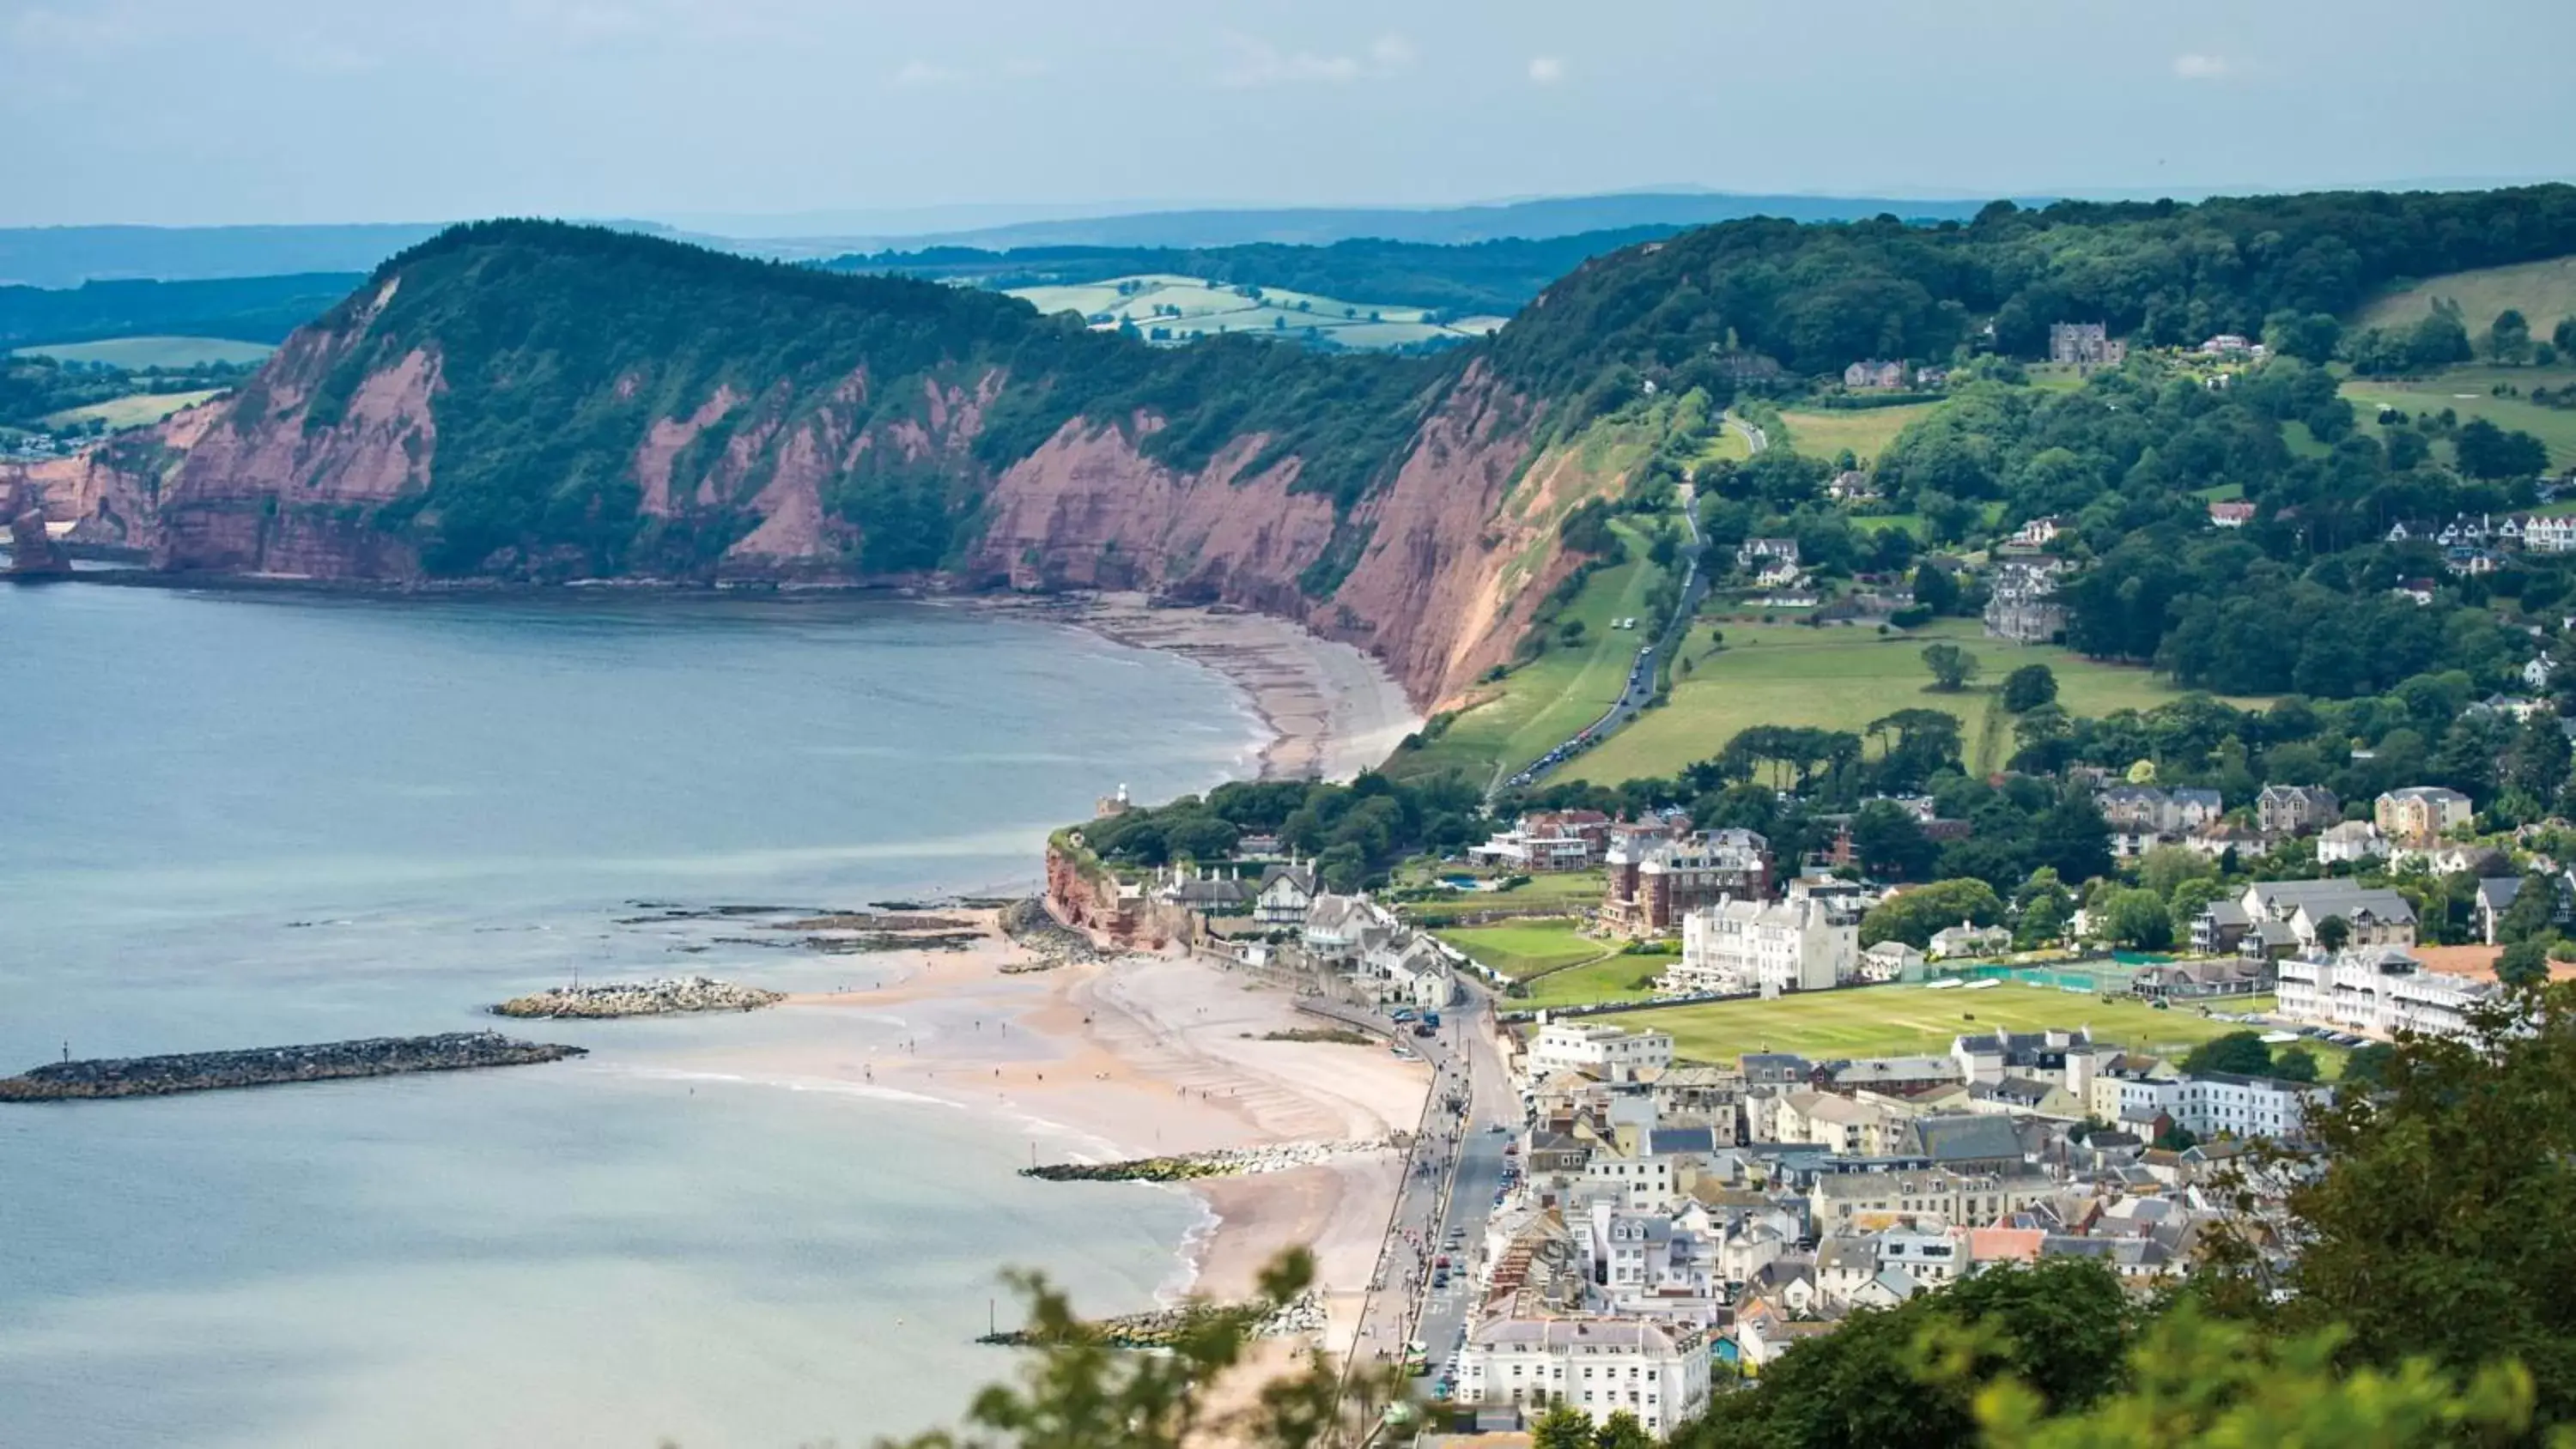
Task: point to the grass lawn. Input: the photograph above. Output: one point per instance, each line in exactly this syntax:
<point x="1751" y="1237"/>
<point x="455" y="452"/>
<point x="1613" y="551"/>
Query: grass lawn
<point x="1842" y="678"/>
<point x="1542" y="704"/>
<point x="1877" y="1021"/>
<point x="136" y="352"/>
<point x="140" y="410"/>
<point x="1612" y="980"/>
<point x="1549" y="893"/>
<point x="2464" y="389"/>
<point x="1824" y="433"/>
<point x="1525" y="948"/>
<point x="2545" y="291"/>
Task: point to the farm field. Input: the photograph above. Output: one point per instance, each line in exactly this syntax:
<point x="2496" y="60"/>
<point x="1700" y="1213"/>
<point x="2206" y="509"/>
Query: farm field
<point x="1824" y="433"/>
<point x="2464" y="389"/>
<point x="1614" y="979"/>
<point x="139" y="410"/>
<point x="1842" y="678"/>
<point x="2545" y="291"/>
<point x="1526" y="948"/>
<point x="1873" y="1021"/>
<point x="1205" y="309"/>
<point x="1543" y="703"/>
<point x="141" y="352"/>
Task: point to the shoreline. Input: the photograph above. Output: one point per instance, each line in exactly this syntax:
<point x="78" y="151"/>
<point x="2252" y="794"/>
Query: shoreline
<point x="1133" y="1056"/>
<point x="1330" y="710"/>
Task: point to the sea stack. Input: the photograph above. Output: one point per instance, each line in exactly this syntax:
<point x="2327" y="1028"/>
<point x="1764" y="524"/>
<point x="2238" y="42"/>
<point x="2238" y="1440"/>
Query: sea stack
<point x="33" y="554"/>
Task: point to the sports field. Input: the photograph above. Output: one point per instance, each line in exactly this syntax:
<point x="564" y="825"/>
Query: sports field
<point x="139" y="352"/>
<point x="1825" y="433"/>
<point x="130" y="412"/>
<point x="1842" y="678"/>
<point x="1901" y="1020"/>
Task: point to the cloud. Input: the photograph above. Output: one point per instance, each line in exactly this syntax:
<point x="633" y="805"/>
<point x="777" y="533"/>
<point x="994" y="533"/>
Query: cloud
<point x="1257" y="62"/>
<point x="918" y="73"/>
<point x="2200" y="66"/>
<point x="1546" y="70"/>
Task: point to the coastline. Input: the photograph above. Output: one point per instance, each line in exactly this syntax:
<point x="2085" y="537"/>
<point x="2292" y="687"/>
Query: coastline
<point x="1330" y="709"/>
<point x="1134" y="1056"/>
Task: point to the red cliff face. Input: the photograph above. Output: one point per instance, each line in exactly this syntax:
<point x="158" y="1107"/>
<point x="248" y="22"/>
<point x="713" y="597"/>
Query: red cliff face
<point x="1435" y="572"/>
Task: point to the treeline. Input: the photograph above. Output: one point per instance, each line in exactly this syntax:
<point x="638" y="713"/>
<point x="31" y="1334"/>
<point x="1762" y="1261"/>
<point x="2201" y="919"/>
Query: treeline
<point x="1351" y="833"/>
<point x="245" y="309"/>
<point x="1818" y="297"/>
<point x="1494" y="278"/>
<point x="34" y="387"/>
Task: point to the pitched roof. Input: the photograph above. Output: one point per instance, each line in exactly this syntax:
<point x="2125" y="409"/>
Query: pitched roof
<point x="1969" y="1138"/>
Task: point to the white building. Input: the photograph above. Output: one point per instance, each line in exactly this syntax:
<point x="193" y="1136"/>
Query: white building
<point x="1800" y="944"/>
<point x="1611" y="1053"/>
<point x="2378" y="990"/>
<point x="2350" y="841"/>
<point x="2213" y="1104"/>
<point x="1655" y="1371"/>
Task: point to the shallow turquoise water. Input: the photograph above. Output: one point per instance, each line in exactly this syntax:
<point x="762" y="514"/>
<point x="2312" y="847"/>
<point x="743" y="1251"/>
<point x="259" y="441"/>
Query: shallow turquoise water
<point x="232" y="820"/>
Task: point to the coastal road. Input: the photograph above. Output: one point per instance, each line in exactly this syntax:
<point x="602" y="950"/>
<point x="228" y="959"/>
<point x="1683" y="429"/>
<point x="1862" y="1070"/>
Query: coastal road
<point x="1642" y="670"/>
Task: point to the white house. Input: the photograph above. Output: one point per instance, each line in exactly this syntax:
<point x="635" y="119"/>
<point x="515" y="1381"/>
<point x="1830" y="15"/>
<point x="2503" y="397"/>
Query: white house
<point x="1612" y="1053"/>
<point x="2351" y="840"/>
<point x="1969" y="939"/>
<point x="1889" y="961"/>
<point x="1655" y="1371"/>
<point x="2378" y="990"/>
<point x="1286" y="892"/>
<point x="1799" y="944"/>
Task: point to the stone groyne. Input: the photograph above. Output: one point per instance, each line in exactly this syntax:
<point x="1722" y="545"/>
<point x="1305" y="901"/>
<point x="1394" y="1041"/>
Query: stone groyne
<point x="640" y="998"/>
<point x="267" y="1066"/>
<point x="1162" y="1327"/>
<point x="1222" y="1162"/>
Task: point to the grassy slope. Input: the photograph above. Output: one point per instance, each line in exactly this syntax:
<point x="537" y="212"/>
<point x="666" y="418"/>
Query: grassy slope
<point x="137" y="411"/>
<point x="134" y="352"/>
<point x="1840" y="679"/>
<point x="2545" y="291"/>
<point x="2464" y="390"/>
<point x="1824" y="433"/>
<point x="1909" y="1020"/>
<point x="1614" y="979"/>
<point x="1525" y="948"/>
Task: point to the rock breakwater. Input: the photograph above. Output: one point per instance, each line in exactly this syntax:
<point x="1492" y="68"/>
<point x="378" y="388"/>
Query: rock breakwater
<point x="1029" y="926"/>
<point x="1162" y="1327"/>
<point x="269" y="1066"/>
<point x="1220" y="1162"/>
<point x="671" y="997"/>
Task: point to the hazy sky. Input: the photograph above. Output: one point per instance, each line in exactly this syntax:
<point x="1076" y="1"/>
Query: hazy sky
<point x="185" y="111"/>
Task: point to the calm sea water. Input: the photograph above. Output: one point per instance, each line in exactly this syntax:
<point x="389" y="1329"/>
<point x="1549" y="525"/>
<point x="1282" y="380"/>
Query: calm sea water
<point x="233" y="820"/>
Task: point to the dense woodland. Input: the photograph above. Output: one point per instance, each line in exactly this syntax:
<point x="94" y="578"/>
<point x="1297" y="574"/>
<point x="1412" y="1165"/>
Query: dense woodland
<point x="250" y="309"/>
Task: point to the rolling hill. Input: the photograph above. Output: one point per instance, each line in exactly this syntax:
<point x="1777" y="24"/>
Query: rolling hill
<point x="2544" y="291"/>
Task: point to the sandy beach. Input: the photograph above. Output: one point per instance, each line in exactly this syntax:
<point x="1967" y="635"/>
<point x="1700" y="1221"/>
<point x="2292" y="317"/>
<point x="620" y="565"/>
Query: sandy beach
<point x="1331" y="710"/>
<point x="1133" y="1057"/>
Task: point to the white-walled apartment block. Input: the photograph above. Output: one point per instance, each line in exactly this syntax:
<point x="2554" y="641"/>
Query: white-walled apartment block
<point x="1656" y="1371"/>
<point x="1799" y="944"/>
<point x="2378" y="990"/>
<point x="1612" y="1053"/>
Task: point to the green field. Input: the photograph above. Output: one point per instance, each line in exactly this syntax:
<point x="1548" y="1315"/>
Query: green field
<point x="1548" y="893"/>
<point x="1207" y="309"/>
<point x="2545" y="291"/>
<point x="2465" y="390"/>
<point x="1866" y="431"/>
<point x="1884" y="1021"/>
<point x="1543" y="703"/>
<point x="1614" y="979"/>
<point x="1525" y="948"/>
<point x="141" y="352"/>
<point x="137" y="411"/>
<point x="1842" y="678"/>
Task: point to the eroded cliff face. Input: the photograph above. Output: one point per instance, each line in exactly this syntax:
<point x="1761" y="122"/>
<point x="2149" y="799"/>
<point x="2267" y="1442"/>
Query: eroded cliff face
<point x="1436" y="571"/>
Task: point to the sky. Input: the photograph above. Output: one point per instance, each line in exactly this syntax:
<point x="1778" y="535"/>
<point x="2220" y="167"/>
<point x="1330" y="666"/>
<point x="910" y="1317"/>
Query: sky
<point x="250" y="111"/>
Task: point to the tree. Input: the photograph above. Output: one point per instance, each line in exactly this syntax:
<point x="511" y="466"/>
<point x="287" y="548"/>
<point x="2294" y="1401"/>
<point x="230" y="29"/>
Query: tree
<point x="2509" y="338"/>
<point x="2043" y="907"/>
<point x="2437" y="341"/>
<point x="2524" y="963"/>
<point x="2563" y="336"/>
<point x="2294" y="1063"/>
<point x="1934" y="589"/>
<point x="1951" y="665"/>
<point x="2164" y="867"/>
<point x="2333" y="932"/>
<point x="1562" y="1427"/>
<point x="1890" y="842"/>
<point x="2136" y="918"/>
<point x="1081" y="1392"/>
<point x="2029" y="687"/>
<point x="2487" y="451"/>
<point x="2444" y="1222"/>
<point x="2368" y="1065"/>
<point x="2310" y="336"/>
<point x="2240" y="1052"/>
<point x="1912" y="916"/>
<point x="1622" y="1431"/>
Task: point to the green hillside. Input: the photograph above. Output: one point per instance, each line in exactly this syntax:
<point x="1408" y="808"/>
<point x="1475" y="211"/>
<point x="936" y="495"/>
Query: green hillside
<point x="144" y="352"/>
<point x="1176" y="309"/>
<point x="2543" y="291"/>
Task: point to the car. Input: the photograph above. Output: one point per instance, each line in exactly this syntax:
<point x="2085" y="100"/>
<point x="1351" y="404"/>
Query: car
<point x="1440" y="1262"/>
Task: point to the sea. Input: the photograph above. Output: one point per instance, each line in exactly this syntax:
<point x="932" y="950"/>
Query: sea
<point x="235" y="819"/>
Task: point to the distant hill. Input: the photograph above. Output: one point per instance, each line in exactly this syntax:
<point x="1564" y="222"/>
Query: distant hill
<point x="66" y="256"/>
<point x="241" y="309"/>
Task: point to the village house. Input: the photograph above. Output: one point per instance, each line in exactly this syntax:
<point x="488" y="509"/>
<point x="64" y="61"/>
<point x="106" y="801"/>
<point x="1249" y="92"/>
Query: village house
<point x="2419" y="815"/>
<point x="1657" y="1372"/>
<point x="2084" y="344"/>
<point x="1597" y="1049"/>
<point x="2037" y="533"/>
<point x="1286" y="891"/>
<point x="1756" y="554"/>
<point x="2021" y="601"/>
<point x="2351" y="841"/>
<point x="1891" y="961"/>
<point x="1969" y="939"/>
<point x="2231" y="514"/>
<point x="1547" y="840"/>
<point x="1874" y="374"/>
<point x="1851" y="486"/>
<point x="2285" y="810"/>
<point x="2276" y="918"/>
